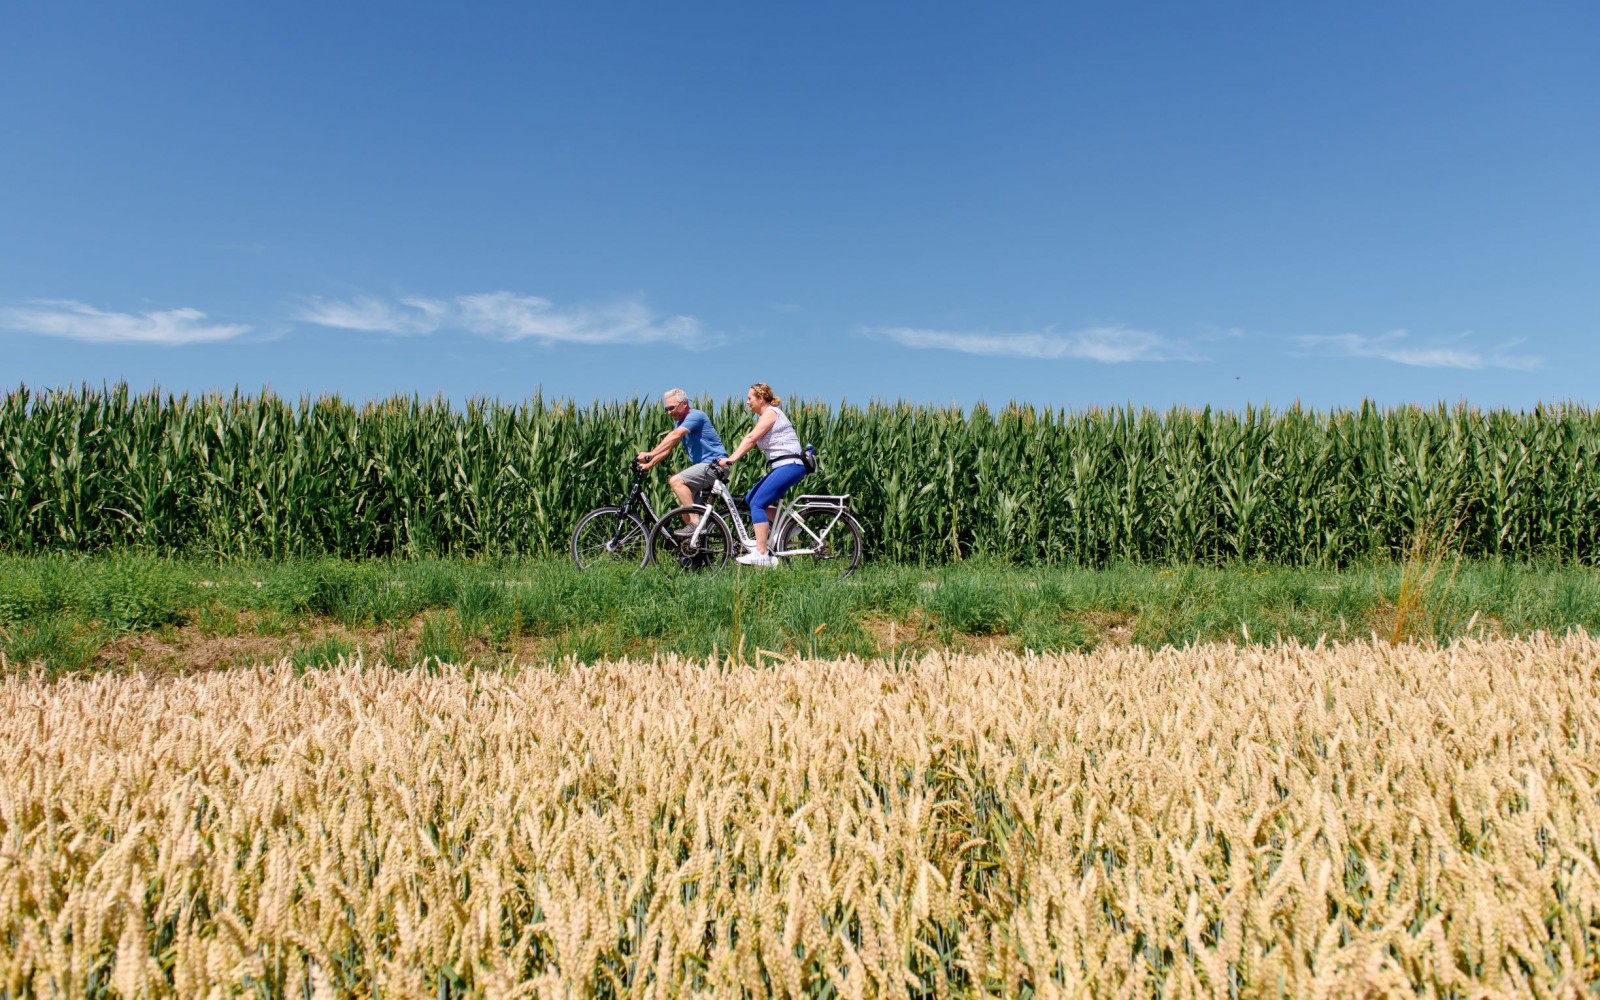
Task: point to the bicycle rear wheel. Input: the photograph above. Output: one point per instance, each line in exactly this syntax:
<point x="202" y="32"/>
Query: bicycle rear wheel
<point x="677" y="556"/>
<point x="606" y="535"/>
<point x="833" y="537"/>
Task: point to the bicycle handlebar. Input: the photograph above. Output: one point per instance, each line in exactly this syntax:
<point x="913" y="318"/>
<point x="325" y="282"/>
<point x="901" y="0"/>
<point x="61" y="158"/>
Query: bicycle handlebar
<point x="718" y="470"/>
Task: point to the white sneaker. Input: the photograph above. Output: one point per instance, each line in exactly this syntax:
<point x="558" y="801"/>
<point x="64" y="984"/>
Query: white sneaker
<point x="757" y="559"/>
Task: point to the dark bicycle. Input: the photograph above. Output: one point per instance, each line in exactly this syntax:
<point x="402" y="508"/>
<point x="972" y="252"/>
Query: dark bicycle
<point x="616" y="534"/>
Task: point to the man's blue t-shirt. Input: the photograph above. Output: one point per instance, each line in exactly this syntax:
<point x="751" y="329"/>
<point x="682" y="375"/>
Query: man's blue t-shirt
<point x="702" y="442"/>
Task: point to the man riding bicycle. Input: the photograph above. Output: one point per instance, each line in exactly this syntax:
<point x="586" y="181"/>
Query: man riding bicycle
<point x="692" y="427"/>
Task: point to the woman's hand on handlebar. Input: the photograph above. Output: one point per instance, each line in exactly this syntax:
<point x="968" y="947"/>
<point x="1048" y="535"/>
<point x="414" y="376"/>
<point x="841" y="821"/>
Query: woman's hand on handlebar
<point x="725" y="462"/>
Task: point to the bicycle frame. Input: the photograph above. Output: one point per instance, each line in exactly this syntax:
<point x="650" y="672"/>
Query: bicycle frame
<point x="787" y="512"/>
<point x="636" y="492"/>
<point x="791" y="513"/>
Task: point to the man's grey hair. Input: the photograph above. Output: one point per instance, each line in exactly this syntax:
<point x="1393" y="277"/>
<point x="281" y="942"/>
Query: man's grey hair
<point x="675" y="396"/>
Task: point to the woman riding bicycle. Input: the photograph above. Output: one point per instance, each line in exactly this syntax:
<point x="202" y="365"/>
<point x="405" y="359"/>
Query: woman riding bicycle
<point x="779" y="442"/>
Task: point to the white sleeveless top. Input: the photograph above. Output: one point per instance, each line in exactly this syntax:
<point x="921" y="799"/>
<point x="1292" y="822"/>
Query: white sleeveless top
<point x="781" y="439"/>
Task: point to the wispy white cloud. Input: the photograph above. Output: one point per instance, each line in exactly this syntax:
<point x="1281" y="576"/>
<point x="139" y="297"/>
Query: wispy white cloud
<point x="368" y="315"/>
<point x="1105" y="344"/>
<point x="521" y="317"/>
<point x="509" y="316"/>
<point x="1396" y="346"/>
<point x="77" y="321"/>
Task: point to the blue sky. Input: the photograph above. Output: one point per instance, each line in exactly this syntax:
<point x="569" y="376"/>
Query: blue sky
<point x="1072" y="204"/>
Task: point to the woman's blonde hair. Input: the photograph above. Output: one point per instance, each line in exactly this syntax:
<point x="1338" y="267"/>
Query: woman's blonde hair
<point x="764" y="391"/>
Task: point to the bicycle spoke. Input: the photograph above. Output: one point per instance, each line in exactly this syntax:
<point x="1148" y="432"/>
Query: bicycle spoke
<point x="607" y="535"/>
<point x="822" y="537"/>
<point x="706" y="551"/>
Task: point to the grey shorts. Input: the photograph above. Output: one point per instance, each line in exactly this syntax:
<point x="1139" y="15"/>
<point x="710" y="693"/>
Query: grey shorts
<point x="698" y="477"/>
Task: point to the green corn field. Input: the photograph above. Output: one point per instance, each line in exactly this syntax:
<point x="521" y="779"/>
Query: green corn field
<point x="238" y="475"/>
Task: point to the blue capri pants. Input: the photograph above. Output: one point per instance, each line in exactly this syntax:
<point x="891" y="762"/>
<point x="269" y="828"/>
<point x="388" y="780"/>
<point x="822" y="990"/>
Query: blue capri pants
<point x="770" y="488"/>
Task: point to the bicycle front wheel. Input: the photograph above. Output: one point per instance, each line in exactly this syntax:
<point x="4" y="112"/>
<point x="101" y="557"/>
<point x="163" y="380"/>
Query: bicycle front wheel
<point x="606" y="535"/>
<point x="832" y="537"/>
<point x="677" y="555"/>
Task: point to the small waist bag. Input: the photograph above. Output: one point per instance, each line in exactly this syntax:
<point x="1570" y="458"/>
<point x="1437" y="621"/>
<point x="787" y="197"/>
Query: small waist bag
<point x="808" y="458"/>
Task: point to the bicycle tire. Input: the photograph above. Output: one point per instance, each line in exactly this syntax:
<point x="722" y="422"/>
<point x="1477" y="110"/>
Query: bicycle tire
<point x="607" y="535"/>
<point x="671" y="554"/>
<point x="841" y="551"/>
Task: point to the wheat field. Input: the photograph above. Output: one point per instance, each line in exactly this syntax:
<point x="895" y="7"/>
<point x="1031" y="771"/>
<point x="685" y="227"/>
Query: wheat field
<point x="1349" y="820"/>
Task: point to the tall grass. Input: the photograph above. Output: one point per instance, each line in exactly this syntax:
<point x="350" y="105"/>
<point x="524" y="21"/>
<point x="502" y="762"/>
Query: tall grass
<point x="72" y="613"/>
<point x="260" y="476"/>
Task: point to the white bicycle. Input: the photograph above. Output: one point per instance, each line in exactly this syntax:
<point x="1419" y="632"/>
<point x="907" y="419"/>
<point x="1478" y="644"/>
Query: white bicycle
<point x="816" y="528"/>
